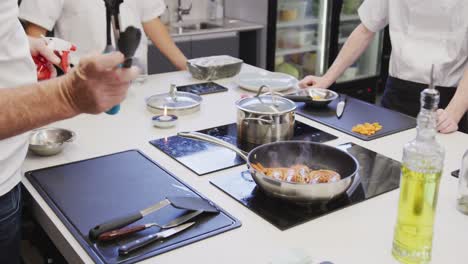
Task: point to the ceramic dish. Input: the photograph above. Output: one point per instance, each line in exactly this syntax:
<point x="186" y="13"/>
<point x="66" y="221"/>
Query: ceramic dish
<point x="278" y="82"/>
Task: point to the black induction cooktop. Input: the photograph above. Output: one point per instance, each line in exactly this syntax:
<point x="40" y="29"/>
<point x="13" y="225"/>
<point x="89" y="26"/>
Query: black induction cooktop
<point x="377" y="175"/>
<point x="203" y="158"/>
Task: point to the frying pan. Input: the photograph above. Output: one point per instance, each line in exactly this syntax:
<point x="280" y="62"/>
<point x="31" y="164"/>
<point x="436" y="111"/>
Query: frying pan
<point x="287" y="154"/>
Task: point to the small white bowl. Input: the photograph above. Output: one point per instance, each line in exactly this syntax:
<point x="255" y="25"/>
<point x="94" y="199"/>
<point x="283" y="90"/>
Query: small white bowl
<point x="164" y="121"/>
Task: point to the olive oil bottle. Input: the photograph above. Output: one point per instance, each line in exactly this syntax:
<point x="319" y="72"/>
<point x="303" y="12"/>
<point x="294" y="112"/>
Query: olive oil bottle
<point x="419" y="184"/>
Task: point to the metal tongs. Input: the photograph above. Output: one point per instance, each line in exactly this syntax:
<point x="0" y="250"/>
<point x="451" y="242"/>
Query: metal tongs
<point x="127" y="41"/>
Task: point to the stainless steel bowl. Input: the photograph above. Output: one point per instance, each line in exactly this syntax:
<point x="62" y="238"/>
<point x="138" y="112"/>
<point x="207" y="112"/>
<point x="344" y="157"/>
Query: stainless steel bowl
<point x="49" y="141"/>
<point x="306" y="96"/>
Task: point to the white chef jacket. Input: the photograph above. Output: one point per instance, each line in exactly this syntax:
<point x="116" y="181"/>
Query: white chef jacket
<point x="16" y="68"/>
<point x="83" y="22"/>
<point x="423" y="32"/>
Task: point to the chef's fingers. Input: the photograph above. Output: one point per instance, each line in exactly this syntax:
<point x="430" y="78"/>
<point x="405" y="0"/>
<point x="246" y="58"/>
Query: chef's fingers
<point x="125" y="75"/>
<point x="46" y="52"/>
<point x="307" y="81"/>
<point x="452" y="127"/>
<point x="441" y="116"/>
<point x="445" y="123"/>
<point x="109" y="61"/>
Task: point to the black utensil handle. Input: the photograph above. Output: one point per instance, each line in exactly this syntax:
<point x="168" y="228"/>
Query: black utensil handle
<point x="127" y="63"/>
<point x="117" y="223"/>
<point x="138" y="243"/>
<point x="107" y="236"/>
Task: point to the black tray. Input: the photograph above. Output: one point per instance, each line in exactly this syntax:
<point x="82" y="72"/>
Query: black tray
<point x="88" y="192"/>
<point x="358" y="112"/>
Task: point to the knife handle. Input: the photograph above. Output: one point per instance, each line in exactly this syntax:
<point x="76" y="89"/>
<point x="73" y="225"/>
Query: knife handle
<point x="117" y="223"/>
<point x="138" y="243"/>
<point x="120" y="232"/>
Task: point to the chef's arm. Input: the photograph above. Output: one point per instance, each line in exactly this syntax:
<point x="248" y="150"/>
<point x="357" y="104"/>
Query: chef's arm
<point x="34" y="30"/>
<point x="160" y="37"/>
<point x="94" y="86"/>
<point x="458" y="106"/>
<point x="355" y="45"/>
<point x="32" y="106"/>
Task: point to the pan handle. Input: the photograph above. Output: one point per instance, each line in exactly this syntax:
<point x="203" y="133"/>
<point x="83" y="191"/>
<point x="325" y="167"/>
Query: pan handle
<point x="214" y="140"/>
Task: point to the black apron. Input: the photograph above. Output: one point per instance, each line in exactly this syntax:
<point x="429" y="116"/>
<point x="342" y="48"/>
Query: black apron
<point x="404" y="96"/>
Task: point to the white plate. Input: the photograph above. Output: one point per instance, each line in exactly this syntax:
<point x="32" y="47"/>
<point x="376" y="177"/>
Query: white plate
<point x="278" y="82"/>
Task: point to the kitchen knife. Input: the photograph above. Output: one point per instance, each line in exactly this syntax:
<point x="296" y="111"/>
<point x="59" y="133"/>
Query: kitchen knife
<point x="187" y="203"/>
<point x="96" y="231"/>
<point x="107" y="236"/>
<point x="341" y="106"/>
<point x="141" y="242"/>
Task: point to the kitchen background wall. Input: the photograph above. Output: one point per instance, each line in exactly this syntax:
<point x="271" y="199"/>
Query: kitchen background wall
<point x="199" y="9"/>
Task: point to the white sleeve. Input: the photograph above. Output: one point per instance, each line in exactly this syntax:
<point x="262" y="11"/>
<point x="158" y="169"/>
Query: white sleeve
<point x="374" y="14"/>
<point x="151" y="9"/>
<point x="43" y="13"/>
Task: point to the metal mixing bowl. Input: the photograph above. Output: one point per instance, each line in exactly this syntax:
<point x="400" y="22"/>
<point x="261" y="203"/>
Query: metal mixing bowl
<point x="49" y="141"/>
<point x="305" y="96"/>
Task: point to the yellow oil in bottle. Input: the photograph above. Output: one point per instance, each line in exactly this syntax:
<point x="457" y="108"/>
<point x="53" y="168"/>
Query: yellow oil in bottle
<point x="412" y="242"/>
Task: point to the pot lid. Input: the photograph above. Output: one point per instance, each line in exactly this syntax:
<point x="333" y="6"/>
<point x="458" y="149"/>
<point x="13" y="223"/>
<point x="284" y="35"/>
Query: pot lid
<point x="266" y="105"/>
<point x="174" y="101"/>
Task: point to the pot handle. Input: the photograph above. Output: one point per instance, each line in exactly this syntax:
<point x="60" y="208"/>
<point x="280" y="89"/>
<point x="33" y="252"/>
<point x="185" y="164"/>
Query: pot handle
<point x="214" y="140"/>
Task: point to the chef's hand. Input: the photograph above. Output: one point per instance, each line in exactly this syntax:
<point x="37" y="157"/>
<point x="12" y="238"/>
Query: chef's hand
<point x="446" y="123"/>
<point x="98" y="83"/>
<point x="38" y="46"/>
<point x="314" y="82"/>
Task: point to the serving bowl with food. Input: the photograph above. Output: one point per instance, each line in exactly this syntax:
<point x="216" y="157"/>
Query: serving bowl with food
<point x="296" y="171"/>
<point x="316" y="97"/>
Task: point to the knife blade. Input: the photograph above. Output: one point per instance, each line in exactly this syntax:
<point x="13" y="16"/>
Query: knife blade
<point x="141" y="242"/>
<point x="182" y="219"/>
<point x="119" y="233"/>
<point x="341" y="106"/>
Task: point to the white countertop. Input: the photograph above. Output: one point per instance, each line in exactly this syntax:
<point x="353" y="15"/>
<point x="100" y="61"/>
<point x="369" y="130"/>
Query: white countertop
<point x="361" y="233"/>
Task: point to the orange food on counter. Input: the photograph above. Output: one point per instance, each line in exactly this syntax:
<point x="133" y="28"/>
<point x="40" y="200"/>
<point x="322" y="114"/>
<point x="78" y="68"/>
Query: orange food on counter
<point x="367" y="129"/>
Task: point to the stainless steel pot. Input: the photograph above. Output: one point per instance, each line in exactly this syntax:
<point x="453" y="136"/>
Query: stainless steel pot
<point x="287" y="154"/>
<point x="264" y="119"/>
